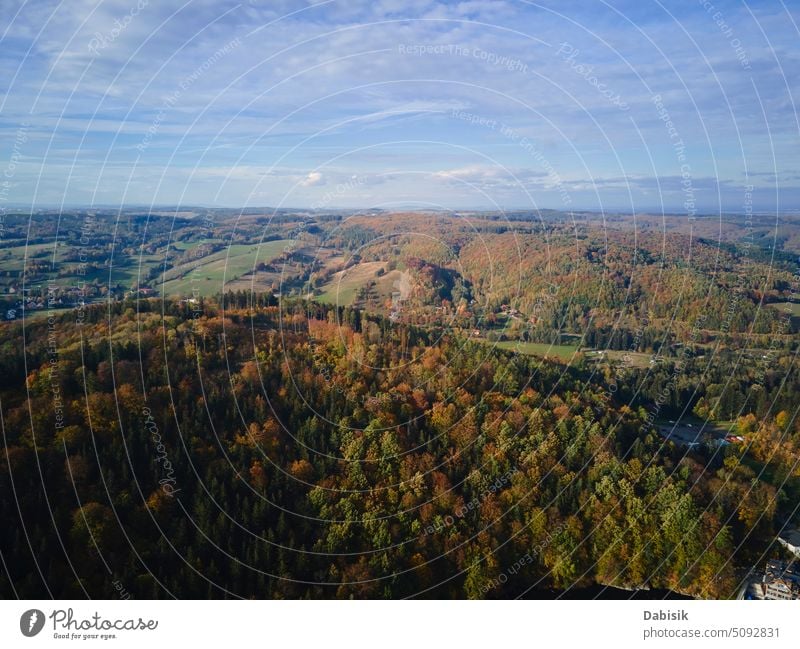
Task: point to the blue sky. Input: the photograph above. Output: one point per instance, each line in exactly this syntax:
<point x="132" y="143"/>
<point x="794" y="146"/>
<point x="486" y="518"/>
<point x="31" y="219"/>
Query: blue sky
<point x="600" y="105"/>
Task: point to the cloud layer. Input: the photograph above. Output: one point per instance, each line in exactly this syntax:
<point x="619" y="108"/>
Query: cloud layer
<point x="466" y="104"/>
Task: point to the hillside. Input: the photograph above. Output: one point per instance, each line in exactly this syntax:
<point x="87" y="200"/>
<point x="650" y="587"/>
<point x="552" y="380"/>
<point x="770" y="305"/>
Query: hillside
<point x="296" y="451"/>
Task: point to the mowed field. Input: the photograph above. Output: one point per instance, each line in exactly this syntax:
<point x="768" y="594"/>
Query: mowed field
<point x="345" y="284"/>
<point x="187" y="245"/>
<point x="209" y="275"/>
<point x="792" y="308"/>
<point x="567" y="352"/>
<point x="626" y="358"/>
<point x="563" y="352"/>
<point x="124" y="269"/>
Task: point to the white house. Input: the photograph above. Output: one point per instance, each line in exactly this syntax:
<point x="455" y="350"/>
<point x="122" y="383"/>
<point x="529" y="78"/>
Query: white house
<point x="790" y="539"/>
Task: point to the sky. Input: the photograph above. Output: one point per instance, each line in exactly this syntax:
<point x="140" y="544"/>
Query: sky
<point x="681" y="106"/>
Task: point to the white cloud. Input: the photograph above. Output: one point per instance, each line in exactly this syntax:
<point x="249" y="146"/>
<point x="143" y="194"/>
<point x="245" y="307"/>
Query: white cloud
<point x="313" y="179"/>
<point x="328" y="88"/>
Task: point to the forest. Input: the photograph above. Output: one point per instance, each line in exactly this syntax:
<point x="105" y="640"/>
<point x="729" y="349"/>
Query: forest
<point x="245" y="446"/>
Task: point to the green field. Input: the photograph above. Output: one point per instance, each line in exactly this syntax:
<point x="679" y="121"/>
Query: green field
<point x="787" y="307"/>
<point x="207" y="275"/>
<point x="632" y="359"/>
<point x="564" y="352"/>
<point x="188" y="245"/>
<point x="13" y="258"/>
<point x="344" y="286"/>
<point x="125" y="270"/>
<point x="204" y="276"/>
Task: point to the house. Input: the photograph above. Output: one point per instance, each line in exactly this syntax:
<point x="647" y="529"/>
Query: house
<point x="790" y="539"/>
<point x="779" y="588"/>
<point x="781" y="581"/>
